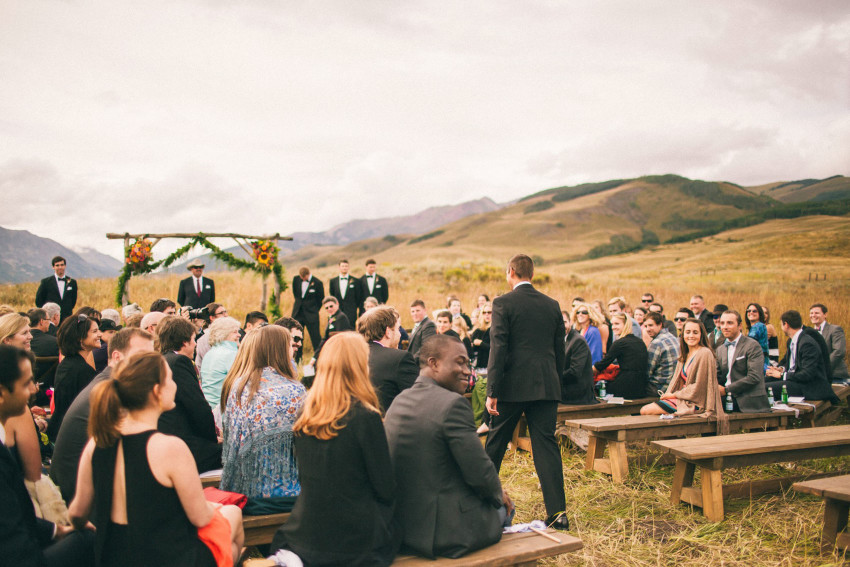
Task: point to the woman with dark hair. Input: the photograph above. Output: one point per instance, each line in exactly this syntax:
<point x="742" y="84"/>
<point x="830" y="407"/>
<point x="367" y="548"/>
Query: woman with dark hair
<point x="772" y="337"/>
<point x="78" y="336"/>
<point x="150" y="507"/>
<point x="344" y="515"/>
<point x="756" y="327"/>
<point x="260" y="401"/>
<point x="694" y="388"/>
<point x="630" y="353"/>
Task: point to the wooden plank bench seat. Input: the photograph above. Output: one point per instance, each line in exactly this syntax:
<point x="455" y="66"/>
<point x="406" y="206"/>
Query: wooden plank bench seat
<point x="835" y="492"/>
<point x="713" y="455"/>
<point x="522" y="549"/>
<point x="566" y="412"/>
<point x="614" y="432"/>
<point x="260" y="530"/>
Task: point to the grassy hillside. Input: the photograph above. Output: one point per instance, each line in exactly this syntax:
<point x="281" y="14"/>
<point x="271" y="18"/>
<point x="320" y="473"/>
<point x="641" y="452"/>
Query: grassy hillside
<point x="831" y="188"/>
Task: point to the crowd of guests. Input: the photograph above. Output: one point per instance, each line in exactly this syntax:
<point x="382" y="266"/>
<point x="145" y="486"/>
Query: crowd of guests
<point x="375" y="450"/>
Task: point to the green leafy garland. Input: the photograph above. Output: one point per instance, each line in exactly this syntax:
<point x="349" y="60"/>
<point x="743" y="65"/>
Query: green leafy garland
<point x="221" y="255"/>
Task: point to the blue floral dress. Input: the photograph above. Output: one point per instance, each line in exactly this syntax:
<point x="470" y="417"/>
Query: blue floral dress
<point x="258" y="454"/>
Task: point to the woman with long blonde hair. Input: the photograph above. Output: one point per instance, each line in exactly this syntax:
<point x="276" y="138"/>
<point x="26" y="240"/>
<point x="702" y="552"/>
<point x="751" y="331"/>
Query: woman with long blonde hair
<point x="344" y="513"/>
<point x="588" y="322"/>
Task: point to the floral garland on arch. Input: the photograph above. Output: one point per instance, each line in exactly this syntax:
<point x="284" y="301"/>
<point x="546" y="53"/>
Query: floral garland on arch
<point x="138" y="260"/>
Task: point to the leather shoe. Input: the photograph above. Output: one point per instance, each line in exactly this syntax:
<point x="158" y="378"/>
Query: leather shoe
<point x="558" y="521"/>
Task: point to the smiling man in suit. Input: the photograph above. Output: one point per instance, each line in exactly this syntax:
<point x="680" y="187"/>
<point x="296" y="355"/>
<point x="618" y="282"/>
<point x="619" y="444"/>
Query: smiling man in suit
<point x="835" y="340"/>
<point x="740" y="366"/>
<point x="347" y="290"/>
<point x="308" y="292"/>
<point x="523" y="376"/>
<point x="803" y="369"/>
<point x="58" y="288"/>
<point x="373" y="285"/>
<point x="196" y="291"/>
<point x="423" y="328"/>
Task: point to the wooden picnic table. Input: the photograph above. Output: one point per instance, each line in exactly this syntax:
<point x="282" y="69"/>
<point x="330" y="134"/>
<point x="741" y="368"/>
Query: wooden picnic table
<point x="614" y="432"/>
<point x="835" y="492"/>
<point x="712" y="455"/>
<point x="523" y="549"/>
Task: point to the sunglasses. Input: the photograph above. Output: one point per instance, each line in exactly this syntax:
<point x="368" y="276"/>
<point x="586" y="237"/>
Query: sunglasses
<point x="328" y="307"/>
<point x="583" y="312"/>
<point x="297" y="340"/>
<point x="752" y="310"/>
<point x="680" y="319"/>
<point x="646" y="301"/>
<point x="486" y="312"/>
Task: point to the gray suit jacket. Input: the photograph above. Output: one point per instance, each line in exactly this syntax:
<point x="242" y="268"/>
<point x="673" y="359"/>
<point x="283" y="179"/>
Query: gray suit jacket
<point x="835" y="340"/>
<point x="448" y="489"/>
<point x="747" y="374"/>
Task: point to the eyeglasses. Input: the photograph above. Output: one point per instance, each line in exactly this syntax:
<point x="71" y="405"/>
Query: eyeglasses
<point x="220" y="313"/>
<point x="583" y="312"/>
<point x="680" y="319"/>
<point x="297" y="340"/>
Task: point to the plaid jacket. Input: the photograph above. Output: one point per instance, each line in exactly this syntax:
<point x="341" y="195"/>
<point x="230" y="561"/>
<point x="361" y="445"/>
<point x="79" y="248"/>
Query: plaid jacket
<point x="663" y="354"/>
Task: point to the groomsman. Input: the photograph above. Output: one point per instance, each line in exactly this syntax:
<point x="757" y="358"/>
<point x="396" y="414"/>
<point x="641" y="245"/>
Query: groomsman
<point x="308" y="291"/>
<point x="346" y="288"/>
<point x="833" y="335"/>
<point x="423" y="328"/>
<point x="58" y="288"/>
<point x="373" y="285"/>
<point x="196" y="291"/>
<point x="740" y="366"/>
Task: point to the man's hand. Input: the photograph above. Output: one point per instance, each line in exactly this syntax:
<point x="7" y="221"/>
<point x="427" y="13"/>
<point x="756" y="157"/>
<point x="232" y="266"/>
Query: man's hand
<point x="774" y="372"/>
<point x="506" y="500"/>
<point x="490" y="404"/>
<point x="722" y="390"/>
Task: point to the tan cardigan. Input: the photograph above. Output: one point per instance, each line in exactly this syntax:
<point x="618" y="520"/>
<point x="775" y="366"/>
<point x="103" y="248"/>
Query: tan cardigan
<point x="700" y="390"/>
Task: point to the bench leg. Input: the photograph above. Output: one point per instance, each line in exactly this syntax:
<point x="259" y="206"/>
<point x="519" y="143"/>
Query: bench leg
<point x="834" y="521"/>
<point x="619" y="461"/>
<point x="595" y="450"/>
<point x="712" y="494"/>
<point x="683" y="476"/>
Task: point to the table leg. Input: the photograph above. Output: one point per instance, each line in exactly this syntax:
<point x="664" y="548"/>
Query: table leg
<point x="683" y="476"/>
<point x="834" y="521"/>
<point x="712" y="494"/>
<point x="619" y="461"/>
<point x="595" y="450"/>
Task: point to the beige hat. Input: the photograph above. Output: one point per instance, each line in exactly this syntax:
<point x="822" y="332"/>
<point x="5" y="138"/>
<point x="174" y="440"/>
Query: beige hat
<point x="194" y="264"/>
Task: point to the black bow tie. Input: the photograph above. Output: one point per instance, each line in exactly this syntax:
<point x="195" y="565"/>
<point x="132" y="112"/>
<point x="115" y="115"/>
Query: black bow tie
<point x="371" y="276"/>
<point x="62" y="279"/>
<point x="343" y="277"/>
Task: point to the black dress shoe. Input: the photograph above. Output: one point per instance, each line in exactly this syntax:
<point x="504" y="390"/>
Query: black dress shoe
<point x="558" y="522"/>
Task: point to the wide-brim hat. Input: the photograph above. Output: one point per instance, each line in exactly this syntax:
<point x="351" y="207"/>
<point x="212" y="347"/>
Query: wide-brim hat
<point x="194" y="264"/>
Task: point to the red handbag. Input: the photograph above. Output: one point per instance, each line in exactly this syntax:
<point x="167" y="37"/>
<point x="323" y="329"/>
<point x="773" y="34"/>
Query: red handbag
<point x="608" y="374"/>
<point x="223" y="497"/>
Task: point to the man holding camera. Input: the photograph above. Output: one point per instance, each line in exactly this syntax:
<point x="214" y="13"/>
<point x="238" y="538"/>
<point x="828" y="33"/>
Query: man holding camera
<point x="196" y="290"/>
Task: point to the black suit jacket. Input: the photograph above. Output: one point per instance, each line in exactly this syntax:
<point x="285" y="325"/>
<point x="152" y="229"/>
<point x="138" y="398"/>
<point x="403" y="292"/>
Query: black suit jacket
<point x="449" y="490"/>
<point x="337" y="323"/>
<point x="381" y="291"/>
<point x="192" y="420"/>
<point x="44" y="344"/>
<point x="72" y="375"/>
<point x="577" y="378"/>
<point x="22" y="535"/>
<point x="391" y="371"/>
<point x="310" y="305"/>
<point x="426" y="329"/>
<point x="48" y="292"/>
<point x="353" y="300"/>
<point x="187" y="295"/>
<point x="707" y="319"/>
<point x="526" y="347"/>
<point x="810" y="369"/>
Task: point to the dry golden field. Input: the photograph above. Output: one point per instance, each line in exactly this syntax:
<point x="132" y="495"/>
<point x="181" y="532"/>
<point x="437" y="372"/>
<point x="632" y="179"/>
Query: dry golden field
<point x="630" y="524"/>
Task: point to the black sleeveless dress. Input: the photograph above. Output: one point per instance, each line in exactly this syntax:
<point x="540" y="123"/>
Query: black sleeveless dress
<point x="157" y="531"/>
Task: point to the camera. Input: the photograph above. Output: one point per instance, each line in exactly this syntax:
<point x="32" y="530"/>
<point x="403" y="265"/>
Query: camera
<point x="200" y="313"/>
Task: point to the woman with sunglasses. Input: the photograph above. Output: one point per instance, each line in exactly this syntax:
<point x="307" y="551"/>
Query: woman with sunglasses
<point x="756" y="327"/>
<point x="77" y="336"/>
<point x="587" y="321"/>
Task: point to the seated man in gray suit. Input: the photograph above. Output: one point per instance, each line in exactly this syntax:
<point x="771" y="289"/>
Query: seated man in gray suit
<point x="450" y="501"/>
<point x="833" y="335"/>
<point x="740" y="366"/>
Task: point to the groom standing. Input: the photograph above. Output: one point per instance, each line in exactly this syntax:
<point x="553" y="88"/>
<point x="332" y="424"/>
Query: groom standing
<point x="58" y="288"/>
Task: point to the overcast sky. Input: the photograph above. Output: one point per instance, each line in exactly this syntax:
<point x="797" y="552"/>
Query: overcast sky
<point x="262" y="116"/>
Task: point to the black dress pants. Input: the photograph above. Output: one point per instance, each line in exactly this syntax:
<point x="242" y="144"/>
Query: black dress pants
<point x="311" y="324"/>
<point x="541" y="416"/>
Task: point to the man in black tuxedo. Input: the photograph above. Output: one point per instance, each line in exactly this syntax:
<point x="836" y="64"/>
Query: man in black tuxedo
<point x="423" y="327"/>
<point x="450" y="501"/>
<point x="43" y="344"/>
<point x="390" y="370"/>
<point x="308" y="292"/>
<point x="347" y="290"/>
<point x="700" y="312"/>
<point x="192" y="419"/>
<point x="196" y="291"/>
<point x="373" y="285"/>
<point x="58" y="288"/>
<point x="804" y="369"/>
<point x="25" y="540"/>
<point x="337" y="323"/>
<point x="523" y="376"/>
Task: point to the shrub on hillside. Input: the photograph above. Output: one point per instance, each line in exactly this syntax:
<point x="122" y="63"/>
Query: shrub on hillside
<point x="538" y="206"/>
<point x="426" y="236"/>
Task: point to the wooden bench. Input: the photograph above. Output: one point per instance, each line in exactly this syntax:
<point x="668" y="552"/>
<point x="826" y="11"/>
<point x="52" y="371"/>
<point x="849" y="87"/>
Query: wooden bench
<point x="824" y="413"/>
<point x="213" y="481"/>
<point x="835" y="492"/>
<point x="522" y="549"/>
<point x="566" y="412"/>
<point x="260" y="530"/>
<point x="614" y="432"/>
<point x="749" y="449"/>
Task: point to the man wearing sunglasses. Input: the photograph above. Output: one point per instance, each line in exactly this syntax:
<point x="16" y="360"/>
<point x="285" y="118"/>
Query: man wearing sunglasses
<point x="337" y="323"/>
<point x="296" y="332"/>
